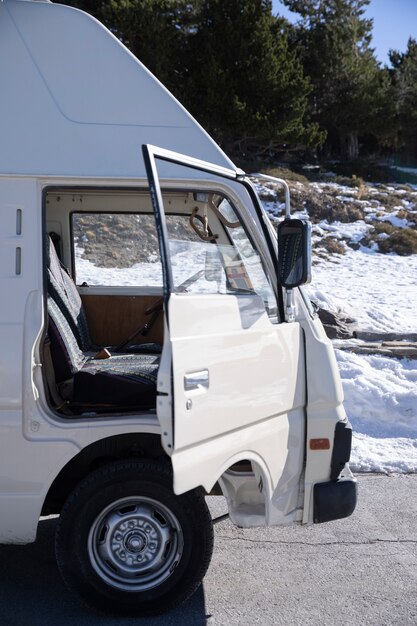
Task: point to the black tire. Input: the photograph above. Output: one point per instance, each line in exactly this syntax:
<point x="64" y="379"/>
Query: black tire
<point x="126" y="544"/>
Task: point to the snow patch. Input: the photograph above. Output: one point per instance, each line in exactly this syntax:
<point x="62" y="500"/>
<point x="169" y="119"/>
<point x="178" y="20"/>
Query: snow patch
<point x="377" y="290"/>
<point x="380" y="292"/>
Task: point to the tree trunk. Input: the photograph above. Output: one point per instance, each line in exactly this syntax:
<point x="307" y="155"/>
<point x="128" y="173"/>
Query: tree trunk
<point x="350" y="145"/>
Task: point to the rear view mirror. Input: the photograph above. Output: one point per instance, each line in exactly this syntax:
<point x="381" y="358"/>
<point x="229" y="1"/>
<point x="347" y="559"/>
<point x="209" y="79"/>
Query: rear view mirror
<point x="294" y="253"/>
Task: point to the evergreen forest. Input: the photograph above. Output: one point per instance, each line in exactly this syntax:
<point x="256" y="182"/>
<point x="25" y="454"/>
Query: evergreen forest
<point x="265" y="88"/>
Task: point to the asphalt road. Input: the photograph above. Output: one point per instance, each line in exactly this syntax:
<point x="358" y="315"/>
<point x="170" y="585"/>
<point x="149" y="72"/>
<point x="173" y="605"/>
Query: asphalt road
<point x="358" y="571"/>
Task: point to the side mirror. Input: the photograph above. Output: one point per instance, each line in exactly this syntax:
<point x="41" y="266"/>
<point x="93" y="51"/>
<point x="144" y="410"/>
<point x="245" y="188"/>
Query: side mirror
<point x="294" y="253"/>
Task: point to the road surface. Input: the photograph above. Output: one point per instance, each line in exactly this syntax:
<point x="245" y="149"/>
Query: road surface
<point x="357" y="572"/>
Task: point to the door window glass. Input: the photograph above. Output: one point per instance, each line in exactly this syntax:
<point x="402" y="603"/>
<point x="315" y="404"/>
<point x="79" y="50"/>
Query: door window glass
<point x="211" y="253"/>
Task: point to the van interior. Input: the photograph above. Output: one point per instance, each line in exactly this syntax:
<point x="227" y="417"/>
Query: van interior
<point x="104" y="287"/>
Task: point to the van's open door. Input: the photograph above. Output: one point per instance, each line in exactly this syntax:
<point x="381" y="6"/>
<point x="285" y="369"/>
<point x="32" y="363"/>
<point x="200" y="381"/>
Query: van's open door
<point x="232" y="376"/>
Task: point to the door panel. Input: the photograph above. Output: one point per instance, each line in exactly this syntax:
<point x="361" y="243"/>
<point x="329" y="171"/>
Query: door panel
<point x="252" y="372"/>
<point x="237" y="386"/>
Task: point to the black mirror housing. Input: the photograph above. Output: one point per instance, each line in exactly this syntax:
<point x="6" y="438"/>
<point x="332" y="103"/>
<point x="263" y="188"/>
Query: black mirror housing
<point x="294" y="253"/>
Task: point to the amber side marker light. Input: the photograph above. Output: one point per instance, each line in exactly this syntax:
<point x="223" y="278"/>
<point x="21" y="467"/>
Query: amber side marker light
<point x="319" y="444"/>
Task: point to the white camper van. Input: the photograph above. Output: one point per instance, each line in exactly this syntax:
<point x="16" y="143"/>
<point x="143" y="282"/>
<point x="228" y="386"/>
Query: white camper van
<point x="156" y="344"/>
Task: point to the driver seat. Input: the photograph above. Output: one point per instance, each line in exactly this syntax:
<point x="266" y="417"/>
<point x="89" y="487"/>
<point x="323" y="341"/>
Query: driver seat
<point x="64" y="293"/>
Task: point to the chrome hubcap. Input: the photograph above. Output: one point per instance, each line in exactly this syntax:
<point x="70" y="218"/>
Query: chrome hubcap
<point x="135" y="543"/>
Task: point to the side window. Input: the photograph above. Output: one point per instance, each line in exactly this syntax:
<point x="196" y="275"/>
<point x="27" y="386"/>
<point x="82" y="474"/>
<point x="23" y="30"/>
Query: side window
<point x="116" y="249"/>
<point x="211" y="253"/>
<point x="189" y="258"/>
<point x="248" y="259"/>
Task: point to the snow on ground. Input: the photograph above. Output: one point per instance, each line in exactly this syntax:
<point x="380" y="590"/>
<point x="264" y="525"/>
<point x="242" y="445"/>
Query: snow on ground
<point x="381" y="401"/>
<point x="379" y="291"/>
<point x="384" y="388"/>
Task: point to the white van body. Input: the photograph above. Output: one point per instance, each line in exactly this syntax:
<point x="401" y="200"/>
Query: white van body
<point x="247" y="402"/>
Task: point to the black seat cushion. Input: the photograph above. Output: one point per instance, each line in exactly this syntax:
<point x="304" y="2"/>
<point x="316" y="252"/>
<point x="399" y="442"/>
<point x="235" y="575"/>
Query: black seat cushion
<point x="125" y="381"/>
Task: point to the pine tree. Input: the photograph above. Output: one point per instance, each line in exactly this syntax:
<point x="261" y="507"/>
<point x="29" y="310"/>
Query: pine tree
<point x="350" y="96"/>
<point x="244" y="83"/>
<point x="404" y="78"/>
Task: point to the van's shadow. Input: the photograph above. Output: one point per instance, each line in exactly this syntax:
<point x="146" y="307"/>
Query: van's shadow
<point x="32" y="592"/>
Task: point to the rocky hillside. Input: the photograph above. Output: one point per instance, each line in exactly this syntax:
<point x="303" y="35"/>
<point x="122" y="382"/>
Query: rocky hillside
<point x="385" y="215"/>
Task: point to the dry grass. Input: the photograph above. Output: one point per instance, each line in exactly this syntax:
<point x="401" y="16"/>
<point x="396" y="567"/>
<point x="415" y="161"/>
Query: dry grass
<point x="403" y="242"/>
<point x="383" y="227"/>
<point x="407" y="215"/>
<point x="286" y="174"/>
<point x="331" y="245"/>
<point x="325" y="206"/>
<point x="346" y="181"/>
<point x="389" y="200"/>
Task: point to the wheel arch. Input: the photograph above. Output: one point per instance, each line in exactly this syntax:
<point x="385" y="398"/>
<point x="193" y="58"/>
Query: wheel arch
<point x="245" y="484"/>
<point x="100" y="452"/>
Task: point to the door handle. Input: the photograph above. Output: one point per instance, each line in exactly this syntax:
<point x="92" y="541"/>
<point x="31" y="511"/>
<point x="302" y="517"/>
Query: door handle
<point x="196" y="380"/>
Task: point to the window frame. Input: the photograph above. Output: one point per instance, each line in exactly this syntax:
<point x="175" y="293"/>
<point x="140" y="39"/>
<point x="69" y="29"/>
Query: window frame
<point x="151" y="154"/>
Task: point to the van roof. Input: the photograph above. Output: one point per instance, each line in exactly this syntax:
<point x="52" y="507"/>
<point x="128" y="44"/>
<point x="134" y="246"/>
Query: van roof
<point x="75" y="102"/>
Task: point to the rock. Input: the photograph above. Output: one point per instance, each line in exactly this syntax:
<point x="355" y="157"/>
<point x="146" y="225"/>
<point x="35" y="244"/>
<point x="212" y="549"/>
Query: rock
<point x="398" y="350"/>
<point x="336" y="325"/>
<point x="370" y="336"/>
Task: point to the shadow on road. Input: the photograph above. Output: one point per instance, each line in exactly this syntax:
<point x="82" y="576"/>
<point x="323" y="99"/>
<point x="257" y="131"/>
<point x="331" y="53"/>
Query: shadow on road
<point x="32" y="592"/>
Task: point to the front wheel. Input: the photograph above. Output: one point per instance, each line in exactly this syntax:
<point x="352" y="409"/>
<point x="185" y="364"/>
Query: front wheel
<point x="127" y="544"/>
